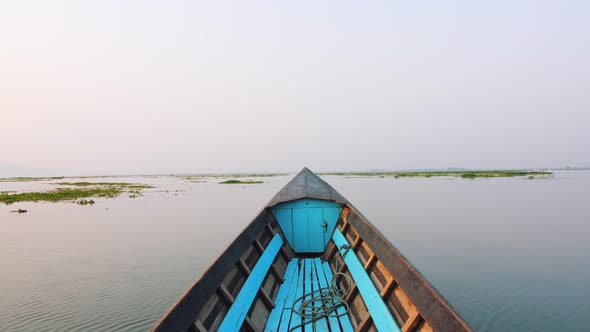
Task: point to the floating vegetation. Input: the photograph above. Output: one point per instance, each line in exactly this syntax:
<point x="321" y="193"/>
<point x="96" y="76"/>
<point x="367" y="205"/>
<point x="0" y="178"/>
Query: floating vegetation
<point x="86" y="202"/>
<point x="233" y="181"/>
<point x="111" y="184"/>
<point x="470" y="174"/>
<point x="135" y="193"/>
<point x="19" y="211"/>
<point x="30" y="179"/>
<point x="194" y="179"/>
<point x="61" y="194"/>
<point x="198" y="177"/>
<point x="134" y="188"/>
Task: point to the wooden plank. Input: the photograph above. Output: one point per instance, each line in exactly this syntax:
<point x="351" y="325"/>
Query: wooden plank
<point x="307" y="286"/>
<point x="276" y="274"/>
<point x="412" y="322"/>
<point x="365" y="322"/>
<point x="319" y="283"/>
<point x="324" y="282"/>
<point x="199" y="326"/>
<point x="389" y="286"/>
<point x="269" y="229"/>
<point x="275" y="316"/>
<point x="244" y="267"/>
<point x="370" y="261"/>
<point x="294" y="318"/>
<point x="344" y="319"/>
<point x="238" y="311"/>
<point x="382" y="317"/>
<point x="351" y="293"/>
<point x="258" y="246"/>
<point x="268" y="302"/>
<point x="287" y="309"/>
<point x="226" y="294"/>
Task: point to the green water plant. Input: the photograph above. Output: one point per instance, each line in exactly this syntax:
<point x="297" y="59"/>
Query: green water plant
<point x="61" y="194"/>
<point x="109" y="184"/>
<point x="468" y="174"/>
<point x="29" y="179"/>
<point x="237" y="175"/>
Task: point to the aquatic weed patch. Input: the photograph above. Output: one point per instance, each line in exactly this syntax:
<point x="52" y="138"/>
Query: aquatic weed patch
<point x="30" y="179"/>
<point x="469" y="174"/>
<point x="127" y="185"/>
<point x="60" y="194"/>
<point x="238" y="175"/>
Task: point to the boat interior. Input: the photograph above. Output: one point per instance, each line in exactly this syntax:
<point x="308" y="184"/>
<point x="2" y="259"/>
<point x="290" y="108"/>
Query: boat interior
<point x="311" y="262"/>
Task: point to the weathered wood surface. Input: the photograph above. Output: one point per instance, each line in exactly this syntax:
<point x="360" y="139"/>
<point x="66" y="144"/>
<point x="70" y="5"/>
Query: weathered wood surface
<point x="206" y="303"/>
<point x="414" y="303"/>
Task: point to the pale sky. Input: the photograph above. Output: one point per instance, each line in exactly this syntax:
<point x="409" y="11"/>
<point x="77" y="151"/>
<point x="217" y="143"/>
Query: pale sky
<point x="148" y="87"/>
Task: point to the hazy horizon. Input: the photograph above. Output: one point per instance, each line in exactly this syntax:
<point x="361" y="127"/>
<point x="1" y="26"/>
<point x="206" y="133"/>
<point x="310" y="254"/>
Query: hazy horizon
<point x="116" y="88"/>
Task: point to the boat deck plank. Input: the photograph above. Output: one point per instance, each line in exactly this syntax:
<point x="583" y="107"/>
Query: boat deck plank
<point x="302" y="277"/>
<point x="344" y="320"/>
<point x="290" y="278"/>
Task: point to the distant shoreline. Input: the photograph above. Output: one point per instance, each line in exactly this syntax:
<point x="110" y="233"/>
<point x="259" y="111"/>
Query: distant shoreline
<point x="403" y="173"/>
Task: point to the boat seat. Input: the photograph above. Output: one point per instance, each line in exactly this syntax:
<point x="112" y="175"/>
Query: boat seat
<point x="237" y="312"/>
<point x="382" y="317"/>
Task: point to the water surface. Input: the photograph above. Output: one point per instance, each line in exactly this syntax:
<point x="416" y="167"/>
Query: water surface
<point x="508" y="253"/>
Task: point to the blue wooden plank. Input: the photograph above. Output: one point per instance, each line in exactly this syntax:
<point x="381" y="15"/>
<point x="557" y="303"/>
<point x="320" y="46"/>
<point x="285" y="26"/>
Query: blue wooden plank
<point x="323" y="283"/>
<point x="382" y="317"/>
<point x="307" y="283"/>
<point x="322" y="323"/>
<point x="239" y="309"/>
<point x="275" y="315"/>
<point x="344" y="319"/>
<point x="296" y="319"/>
<point x="287" y="311"/>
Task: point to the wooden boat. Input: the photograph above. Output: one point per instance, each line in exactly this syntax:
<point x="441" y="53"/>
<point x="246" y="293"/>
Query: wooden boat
<point x="310" y="261"/>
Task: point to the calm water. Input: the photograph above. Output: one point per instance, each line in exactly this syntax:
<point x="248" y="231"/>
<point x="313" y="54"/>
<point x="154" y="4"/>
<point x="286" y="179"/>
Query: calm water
<point x="509" y="254"/>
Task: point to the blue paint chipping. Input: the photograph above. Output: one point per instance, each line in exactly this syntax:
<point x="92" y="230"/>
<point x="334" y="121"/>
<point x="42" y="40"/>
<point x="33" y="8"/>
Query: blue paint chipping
<point x="237" y="312"/>
<point x="308" y="224"/>
<point x="382" y="317"/>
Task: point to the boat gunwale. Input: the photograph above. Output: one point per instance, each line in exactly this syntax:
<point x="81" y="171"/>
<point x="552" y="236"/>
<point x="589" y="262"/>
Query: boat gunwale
<point x="432" y="305"/>
<point x="183" y="313"/>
